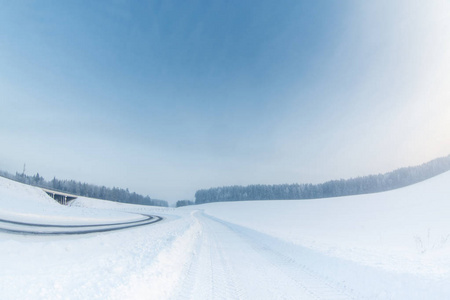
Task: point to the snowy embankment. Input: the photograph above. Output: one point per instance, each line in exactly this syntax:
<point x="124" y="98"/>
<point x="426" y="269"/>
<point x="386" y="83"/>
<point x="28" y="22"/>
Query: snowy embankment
<point x="391" y="245"/>
<point x="91" y="266"/>
<point x="20" y="202"/>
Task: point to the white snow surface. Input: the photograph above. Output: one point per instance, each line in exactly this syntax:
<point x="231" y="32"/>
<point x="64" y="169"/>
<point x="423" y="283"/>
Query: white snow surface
<point x="392" y="245"/>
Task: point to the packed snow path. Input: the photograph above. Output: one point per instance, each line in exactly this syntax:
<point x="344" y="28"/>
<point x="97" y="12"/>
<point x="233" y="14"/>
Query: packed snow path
<point x="231" y="262"/>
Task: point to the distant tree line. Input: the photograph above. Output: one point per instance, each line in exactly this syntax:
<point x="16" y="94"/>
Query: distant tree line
<point x="85" y="189"/>
<point x="184" y="203"/>
<point x="335" y="188"/>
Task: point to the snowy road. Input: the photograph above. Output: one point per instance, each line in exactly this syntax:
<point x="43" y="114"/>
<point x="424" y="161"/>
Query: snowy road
<point x="15" y="227"/>
<point x="231" y="262"/>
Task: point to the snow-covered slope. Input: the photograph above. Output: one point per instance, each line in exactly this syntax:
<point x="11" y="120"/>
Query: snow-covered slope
<point x="404" y="230"/>
<point x="21" y="202"/>
<point x="392" y="245"/>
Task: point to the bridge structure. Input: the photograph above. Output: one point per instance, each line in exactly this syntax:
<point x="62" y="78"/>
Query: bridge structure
<point x="61" y="197"/>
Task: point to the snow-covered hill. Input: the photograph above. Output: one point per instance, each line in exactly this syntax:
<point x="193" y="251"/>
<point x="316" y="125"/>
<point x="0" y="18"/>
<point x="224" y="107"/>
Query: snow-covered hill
<point x="26" y="203"/>
<point x="405" y="230"/>
<point x="392" y="245"/>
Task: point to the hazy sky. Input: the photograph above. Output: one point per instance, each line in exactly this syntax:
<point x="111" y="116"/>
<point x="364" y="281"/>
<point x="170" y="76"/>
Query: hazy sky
<point x="167" y="97"/>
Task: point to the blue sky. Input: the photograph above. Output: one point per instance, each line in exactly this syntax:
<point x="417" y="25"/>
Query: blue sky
<point x="167" y="97"/>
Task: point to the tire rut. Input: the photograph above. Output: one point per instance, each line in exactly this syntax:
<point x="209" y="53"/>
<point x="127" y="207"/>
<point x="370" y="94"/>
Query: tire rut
<point x="282" y="258"/>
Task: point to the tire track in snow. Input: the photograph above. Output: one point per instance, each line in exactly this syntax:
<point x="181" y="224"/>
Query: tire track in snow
<point x="227" y="261"/>
<point x="224" y="285"/>
<point x="310" y="282"/>
<point x="236" y="263"/>
<point x="207" y="275"/>
<point x="258" y="277"/>
<point x="31" y="228"/>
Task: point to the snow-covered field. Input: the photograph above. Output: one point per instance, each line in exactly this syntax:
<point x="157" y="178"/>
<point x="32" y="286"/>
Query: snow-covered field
<point x="393" y="245"/>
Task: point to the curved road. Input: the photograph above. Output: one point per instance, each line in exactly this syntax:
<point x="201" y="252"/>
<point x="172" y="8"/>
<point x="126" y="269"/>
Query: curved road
<point x="32" y="228"/>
